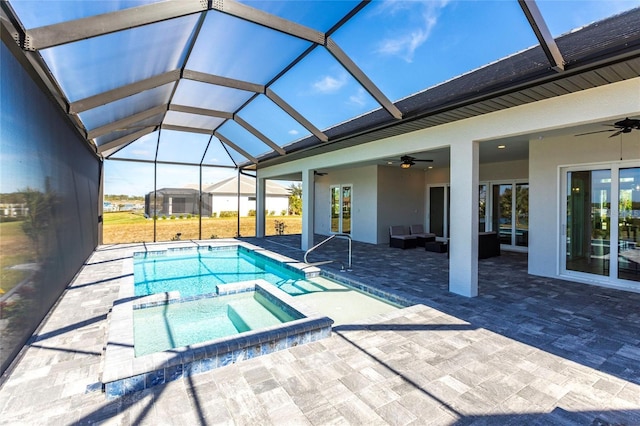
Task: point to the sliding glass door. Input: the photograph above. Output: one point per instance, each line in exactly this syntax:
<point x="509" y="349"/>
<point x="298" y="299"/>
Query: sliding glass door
<point x="602" y="214"/>
<point x="629" y="224"/>
<point x="439" y="203"/>
<point x="510" y="213"/>
<point x="341" y="209"/>
<point x="588" y="221"/>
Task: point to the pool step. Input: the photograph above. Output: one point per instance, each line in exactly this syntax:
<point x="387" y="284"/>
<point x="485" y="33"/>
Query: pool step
<point x="246" y="317"/>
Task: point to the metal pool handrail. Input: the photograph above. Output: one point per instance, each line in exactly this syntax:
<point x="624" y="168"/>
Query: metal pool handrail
<point x="347" y="236"/>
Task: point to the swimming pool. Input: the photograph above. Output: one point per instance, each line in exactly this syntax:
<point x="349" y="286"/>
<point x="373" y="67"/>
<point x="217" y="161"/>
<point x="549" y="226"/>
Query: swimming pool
<point x="193" y="272"/>
<point x="198" y="271"/>
<point x="293" y="286"/>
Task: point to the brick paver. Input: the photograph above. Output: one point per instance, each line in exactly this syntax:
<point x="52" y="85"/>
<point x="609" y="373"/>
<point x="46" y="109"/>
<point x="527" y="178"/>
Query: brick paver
<point x="528" y="350"/>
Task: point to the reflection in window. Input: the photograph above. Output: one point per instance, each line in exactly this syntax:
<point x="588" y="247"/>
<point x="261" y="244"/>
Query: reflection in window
<point x="629" y="224"/>
<point x="588" y="221"/>
<point x="127" y="189"/>
<point x="48" y="205"/>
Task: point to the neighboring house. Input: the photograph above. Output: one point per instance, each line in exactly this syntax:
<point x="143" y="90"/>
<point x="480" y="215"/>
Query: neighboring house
<point x="13" y="210"/>
<point x="218" y="197"/>
<point x="224" y="196"/>
<point x="175" y="201"/>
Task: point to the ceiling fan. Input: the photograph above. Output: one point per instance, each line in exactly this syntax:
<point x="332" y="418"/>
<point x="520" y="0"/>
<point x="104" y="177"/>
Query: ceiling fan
<point x="622" y="126"/>
<point x="407" y="161"/>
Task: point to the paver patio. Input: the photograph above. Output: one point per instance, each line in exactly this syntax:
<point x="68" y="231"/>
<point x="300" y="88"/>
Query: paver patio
<point x="528" y="350"/>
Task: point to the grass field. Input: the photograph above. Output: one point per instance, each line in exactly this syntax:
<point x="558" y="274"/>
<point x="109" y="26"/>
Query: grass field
<point x="15" y="249"/>
<point x="128" y="227"/>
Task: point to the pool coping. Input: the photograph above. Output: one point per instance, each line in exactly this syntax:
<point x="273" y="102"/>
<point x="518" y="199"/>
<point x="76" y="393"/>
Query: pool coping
<point x="123" y="372"/>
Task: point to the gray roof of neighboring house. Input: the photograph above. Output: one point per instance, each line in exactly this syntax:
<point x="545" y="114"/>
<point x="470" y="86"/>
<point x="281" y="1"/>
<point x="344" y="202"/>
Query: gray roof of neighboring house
<point x="229" y="186"/>
<point x="247" y="187"/>
<point x="179" y="191"/>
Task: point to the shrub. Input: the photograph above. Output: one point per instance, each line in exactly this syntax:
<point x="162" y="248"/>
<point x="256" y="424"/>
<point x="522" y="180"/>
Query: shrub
<point x="251" y="213"/>
<point x="189" y="216"/>
<point x="229" y="213"/>
<point x="214" y="214"/>
<point x="280" y="226"/>
<point x="164" y="217"/>
<point x="272" y="213"/>
<point x="283" y="213"/>
<point x="172" y="217"/>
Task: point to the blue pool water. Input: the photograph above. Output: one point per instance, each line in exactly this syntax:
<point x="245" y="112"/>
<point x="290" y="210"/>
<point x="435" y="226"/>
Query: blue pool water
<point x="198" y="271"/>
<point x="174" y="325"/>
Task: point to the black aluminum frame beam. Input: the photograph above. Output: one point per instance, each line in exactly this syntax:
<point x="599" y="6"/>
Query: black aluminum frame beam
<point x="84" y="28"/>
<point x="225" y="140"/>
<point x="539" y="27"/>
<point x="268" y="20"/>
<point x="173" y="163"/>
<point x="222" y="81"/>
<point x="93" y="26"/>
<point x="186" y="129"/>
<point x="258" y="134"/>
<point x="123" y="92"/>
<point x="128" y="121"/>
<point x="125" y="140"/>
<point x="362" y="78"/>
<point x="201" y="111"/>
<point x="293" y="113"/>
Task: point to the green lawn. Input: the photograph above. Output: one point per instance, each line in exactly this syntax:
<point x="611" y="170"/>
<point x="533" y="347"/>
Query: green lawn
<point x="15" y="249"/>
<point x="128" y="227"/>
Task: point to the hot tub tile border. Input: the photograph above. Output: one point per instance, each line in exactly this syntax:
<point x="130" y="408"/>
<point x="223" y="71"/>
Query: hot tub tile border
<point x="159" y="376"/>
<point x="127" y="374"/>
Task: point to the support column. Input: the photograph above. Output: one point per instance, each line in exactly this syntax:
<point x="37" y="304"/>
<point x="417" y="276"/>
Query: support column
<point x="100" y="203"/>
<point x="308" y="208"/>
<point x="463" y="248"/>
<point x="260" y="206"/>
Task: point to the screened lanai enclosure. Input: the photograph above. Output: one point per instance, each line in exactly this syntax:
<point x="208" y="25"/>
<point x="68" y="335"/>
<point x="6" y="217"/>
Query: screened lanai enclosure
<point x="159" y="103"/>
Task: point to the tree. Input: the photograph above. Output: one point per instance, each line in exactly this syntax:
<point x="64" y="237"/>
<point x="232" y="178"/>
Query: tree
<point x="39" y="215"/>
<point x="295" y="198"/>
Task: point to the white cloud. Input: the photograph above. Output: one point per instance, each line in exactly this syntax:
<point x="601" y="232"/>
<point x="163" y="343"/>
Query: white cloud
<point x="293" y="132"/>
<point x="417" y="27"/>
<point x="330" y="84"/>
<point x="359" y="98"/>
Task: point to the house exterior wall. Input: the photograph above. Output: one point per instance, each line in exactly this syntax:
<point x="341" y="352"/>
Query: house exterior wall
<point x="364" y="202"/>
<point x="230" y="203"/>
<point x="488" y="172"/>
<point x="533" y="120"/>
<point x="546" y="158"/>
<point x="401" y="199"/>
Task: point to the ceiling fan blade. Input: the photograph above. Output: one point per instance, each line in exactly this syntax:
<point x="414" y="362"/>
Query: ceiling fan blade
<point x="425" y="161"/>
<point x="616" y="133"/>
<point x="591" y="133"/>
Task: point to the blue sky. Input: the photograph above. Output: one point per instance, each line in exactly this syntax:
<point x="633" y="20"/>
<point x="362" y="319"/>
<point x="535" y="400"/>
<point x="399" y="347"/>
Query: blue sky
<point x="403" y="46"/>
